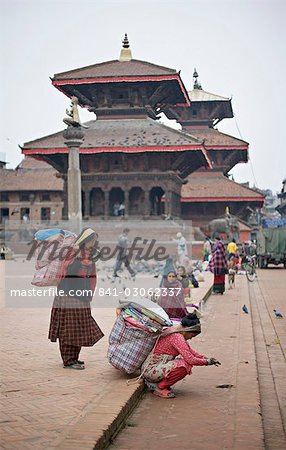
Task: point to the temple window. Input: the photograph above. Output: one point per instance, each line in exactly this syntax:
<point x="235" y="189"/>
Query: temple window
<point x="46" y="197"/>
<point x="24" y="196"/>
<point x="4" y="197"/>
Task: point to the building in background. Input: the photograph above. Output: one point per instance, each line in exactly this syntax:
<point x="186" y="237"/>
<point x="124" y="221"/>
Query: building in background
<point x="128" y="158"/>
<point x="31" y="192"/>
<point x="208" y="193"/>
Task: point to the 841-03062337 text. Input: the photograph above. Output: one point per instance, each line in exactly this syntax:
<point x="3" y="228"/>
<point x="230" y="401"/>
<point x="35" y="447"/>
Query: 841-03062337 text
<point x="138" y="292"/>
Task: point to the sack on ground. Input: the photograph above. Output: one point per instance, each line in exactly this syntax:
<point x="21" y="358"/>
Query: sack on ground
<point x="128" y="346"/>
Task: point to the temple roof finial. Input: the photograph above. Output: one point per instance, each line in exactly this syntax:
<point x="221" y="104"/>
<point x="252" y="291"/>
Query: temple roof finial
<point x="125" y="41"/>
<point x="125" y="54"/>
<point x="197" y="85"/>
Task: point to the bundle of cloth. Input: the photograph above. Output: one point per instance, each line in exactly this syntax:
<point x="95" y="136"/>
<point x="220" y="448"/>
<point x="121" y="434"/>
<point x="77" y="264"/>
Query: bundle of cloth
<point x="50" y="248"/>
<point x="139" y="316"/>
<point x="134" y="333"/>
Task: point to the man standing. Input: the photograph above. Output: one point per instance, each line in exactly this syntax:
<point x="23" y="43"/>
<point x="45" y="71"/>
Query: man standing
<point x="182" y="250"/>
<point x="232" y="248"/>
<point x="122" y="254"/>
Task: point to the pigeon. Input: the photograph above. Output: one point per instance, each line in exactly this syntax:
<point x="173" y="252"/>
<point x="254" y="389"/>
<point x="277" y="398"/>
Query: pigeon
<point x="278" y="314"/>
<point x="244" y="309"/>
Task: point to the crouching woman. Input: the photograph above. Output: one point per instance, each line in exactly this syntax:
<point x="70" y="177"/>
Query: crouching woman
<point x="172" y="358"/>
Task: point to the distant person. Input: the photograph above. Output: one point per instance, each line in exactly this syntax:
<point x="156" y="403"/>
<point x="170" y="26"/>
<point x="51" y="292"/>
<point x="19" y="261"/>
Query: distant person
<point x="116" y="209"/>
<point x="232" y="249"/>
<point x="172" y="298"/>
<point x="218" y="265"/>
<point x="25" y="218"/>
<point x="122" y="255"/>
<point x="207" y="249"/>
<point x="182" y="250"/>
<point x="121" y="210"/>
<point x="169" y="267"/>
<point x="183" y="277"/>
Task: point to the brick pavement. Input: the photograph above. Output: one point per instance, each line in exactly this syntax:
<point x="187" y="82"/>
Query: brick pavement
<point x="270" y="342"/>
<point x="44" y="406"/>
<point x="204" y="416"/>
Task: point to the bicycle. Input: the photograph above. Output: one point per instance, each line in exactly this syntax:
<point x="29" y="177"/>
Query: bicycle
<point x="249" y="266"/>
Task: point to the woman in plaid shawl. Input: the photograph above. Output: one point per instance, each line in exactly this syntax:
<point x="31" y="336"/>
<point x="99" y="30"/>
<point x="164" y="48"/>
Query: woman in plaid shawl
<point x="71" y="320"/>
<point x="218" y="265"/>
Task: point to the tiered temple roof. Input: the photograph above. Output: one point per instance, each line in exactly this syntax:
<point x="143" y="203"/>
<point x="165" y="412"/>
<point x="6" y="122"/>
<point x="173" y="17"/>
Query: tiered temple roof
<point x="213" y="186"/>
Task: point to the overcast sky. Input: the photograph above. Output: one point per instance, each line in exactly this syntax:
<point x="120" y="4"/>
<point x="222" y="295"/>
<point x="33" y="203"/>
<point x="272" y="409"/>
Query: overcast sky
<point x="237" y="46"/>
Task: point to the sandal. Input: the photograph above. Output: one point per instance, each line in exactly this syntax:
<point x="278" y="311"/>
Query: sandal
<point x="164" y="393"/>
<point x="74" y="366"/>
<point x="151" y="386"/>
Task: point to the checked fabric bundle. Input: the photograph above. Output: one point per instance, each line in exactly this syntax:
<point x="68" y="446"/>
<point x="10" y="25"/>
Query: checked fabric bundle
<point x="134" y="334"/>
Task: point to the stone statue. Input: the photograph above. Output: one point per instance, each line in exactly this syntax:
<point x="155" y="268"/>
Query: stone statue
<point x="73" y="120"/>
<point x="228" y="225"/>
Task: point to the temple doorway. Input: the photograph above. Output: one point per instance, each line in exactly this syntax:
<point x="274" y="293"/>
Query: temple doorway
<point x="136" y="201"/>
<point x="116" y="202"/>
<point x="96" y="202"/>
<point x="156" y="204"/>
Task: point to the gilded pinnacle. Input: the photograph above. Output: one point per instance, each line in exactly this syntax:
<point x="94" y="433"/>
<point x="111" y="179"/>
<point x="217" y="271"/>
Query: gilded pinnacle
<point x="125" y="54"/>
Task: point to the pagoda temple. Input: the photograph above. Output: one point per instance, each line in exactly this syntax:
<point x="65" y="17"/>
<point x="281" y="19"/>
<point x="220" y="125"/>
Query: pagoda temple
<point x="207" y="194"/>
<point x="127" y="157"/>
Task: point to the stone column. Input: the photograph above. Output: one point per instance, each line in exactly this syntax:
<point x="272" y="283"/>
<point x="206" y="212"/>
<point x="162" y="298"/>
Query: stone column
<point x="170" y="203"/>
<point x="167" y="203"/>
<point x="147" y="206"/>
<point x="86" y="204"/>
<point x="126" y="202"/>
<point x="106" y="204"/>
<point x="65" y="199"/>
<point x="74" y="139"/>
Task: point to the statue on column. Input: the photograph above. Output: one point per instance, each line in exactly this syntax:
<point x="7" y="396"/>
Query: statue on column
<point x="73" y="120"/>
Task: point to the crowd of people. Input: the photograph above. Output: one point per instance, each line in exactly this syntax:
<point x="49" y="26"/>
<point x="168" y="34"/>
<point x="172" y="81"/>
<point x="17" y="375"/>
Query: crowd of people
<point x="72" y="324"/>
<point x="227" y="260"/>
<point x="71" y="320"/>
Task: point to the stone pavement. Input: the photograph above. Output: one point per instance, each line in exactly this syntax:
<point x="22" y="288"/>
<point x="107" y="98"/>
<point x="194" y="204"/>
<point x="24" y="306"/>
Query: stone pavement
<point x="270" y="345"/>
<point x="44" y="406"/>
<point x="216" y="407"/>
